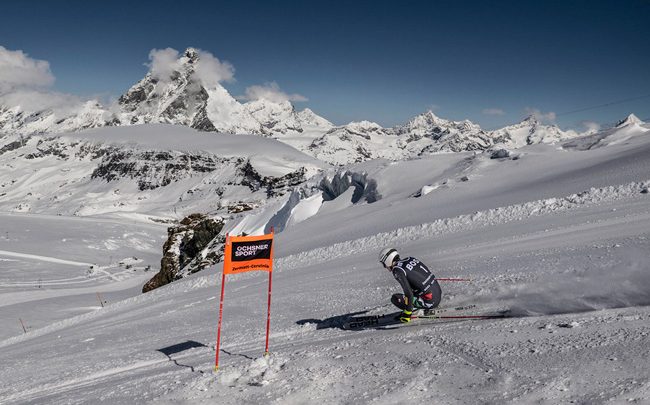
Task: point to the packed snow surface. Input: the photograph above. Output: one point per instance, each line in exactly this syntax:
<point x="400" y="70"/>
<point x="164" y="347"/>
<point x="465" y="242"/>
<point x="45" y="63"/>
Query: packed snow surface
<point x="559" y="235"/>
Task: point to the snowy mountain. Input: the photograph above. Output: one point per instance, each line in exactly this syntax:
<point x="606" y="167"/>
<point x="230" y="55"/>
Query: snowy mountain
<point x="423" y="135"/>
<point x="312" y="121"/>
<point x="625" y="132"/>
<point x="90" y="114"/>
<point x="279" y="119"/>
<point x="431" y="126"/>
<point x="629" y="120"/>
<point x="184" y="95"/>
<point x="181" y="97"/>
<point x="186" y="99"/>
<point x="427" y="133"/>
<point x="530" y="131"/>
<point x="355" y="142"/>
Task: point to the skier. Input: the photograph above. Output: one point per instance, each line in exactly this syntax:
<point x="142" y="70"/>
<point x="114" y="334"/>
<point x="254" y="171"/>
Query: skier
<point x="421" y="289"/>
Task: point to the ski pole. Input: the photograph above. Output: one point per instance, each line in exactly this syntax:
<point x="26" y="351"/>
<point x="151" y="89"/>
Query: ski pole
<point x="453" y="279"/>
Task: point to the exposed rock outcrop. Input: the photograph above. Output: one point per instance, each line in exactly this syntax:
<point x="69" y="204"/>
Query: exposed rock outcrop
<point x="190" y="247"/>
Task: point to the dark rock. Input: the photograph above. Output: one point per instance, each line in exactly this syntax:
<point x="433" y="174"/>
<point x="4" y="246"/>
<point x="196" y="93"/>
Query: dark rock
<point x="193" y="98"/>
<point x="50" y="147"/>
<point x="151" y="169"/>
<point x="201" y="122"/>
<point x="11" y="146"/>
<point x="134" y="96"/>
<point x="182" y="252"/>
<point x="363" y="154"/>
<point x="241" y="207"/>
<point x="500" y="154"/>
<point x="275" y="186"/>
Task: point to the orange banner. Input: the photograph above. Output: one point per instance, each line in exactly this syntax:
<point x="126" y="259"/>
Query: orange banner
<point x="248" y="253"/>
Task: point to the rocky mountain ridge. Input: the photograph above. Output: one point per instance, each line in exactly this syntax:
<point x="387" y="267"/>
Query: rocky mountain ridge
<point x="184" y="97"/>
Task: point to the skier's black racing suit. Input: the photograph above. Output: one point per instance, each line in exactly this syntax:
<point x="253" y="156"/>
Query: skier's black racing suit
<point x="421" y="290"/>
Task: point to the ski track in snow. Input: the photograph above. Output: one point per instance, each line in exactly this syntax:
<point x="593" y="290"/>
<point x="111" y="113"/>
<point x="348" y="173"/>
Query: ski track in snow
<point x="12" y="298"/>
<point x="78" y="383"/>
<point x="44" y="258"/>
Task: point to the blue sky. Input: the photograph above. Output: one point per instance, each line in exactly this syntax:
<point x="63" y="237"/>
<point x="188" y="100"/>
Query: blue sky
<point x="488" y="61"/>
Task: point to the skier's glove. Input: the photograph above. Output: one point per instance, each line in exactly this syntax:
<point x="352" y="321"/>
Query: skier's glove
<point x="405" y="316"/>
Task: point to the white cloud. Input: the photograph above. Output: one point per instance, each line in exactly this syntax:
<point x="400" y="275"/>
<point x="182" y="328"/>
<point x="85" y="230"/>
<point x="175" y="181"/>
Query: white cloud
<point x="24" y="83"/>
<point x="592" y="127"/>
<point x="542" y="116"/>
<point x="17" y="70"/>
<point x="35" y="100"/>
<point x="272" y="92"/>
<point x="163" y="62"/>
<point x="493" y="111"/>
<point x="210" y="70"/>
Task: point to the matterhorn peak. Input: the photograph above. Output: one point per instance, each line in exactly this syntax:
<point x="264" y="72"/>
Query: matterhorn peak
<point x="192" y="54"/>
<point x="629" y="120"/>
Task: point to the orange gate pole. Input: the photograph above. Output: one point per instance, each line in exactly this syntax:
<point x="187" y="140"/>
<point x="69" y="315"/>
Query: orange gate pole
<point x="223" y="285"/>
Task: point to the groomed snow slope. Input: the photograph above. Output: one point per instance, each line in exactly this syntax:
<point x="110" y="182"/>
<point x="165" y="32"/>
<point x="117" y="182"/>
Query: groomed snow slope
<point x="54" y="266"/>
<point x="560" y="237"/>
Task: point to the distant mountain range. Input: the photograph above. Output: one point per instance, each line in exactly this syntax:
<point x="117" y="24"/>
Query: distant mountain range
<point x="186" y="99"/>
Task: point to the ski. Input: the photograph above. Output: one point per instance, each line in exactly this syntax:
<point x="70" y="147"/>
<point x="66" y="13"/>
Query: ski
<point x="369" y="321"/>
<point x="442" y="314"/>
<point x="428" y="320"/>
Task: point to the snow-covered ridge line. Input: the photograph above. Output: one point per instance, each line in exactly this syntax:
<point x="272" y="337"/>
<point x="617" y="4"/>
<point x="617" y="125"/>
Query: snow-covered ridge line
<point x="465" y="222"/>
